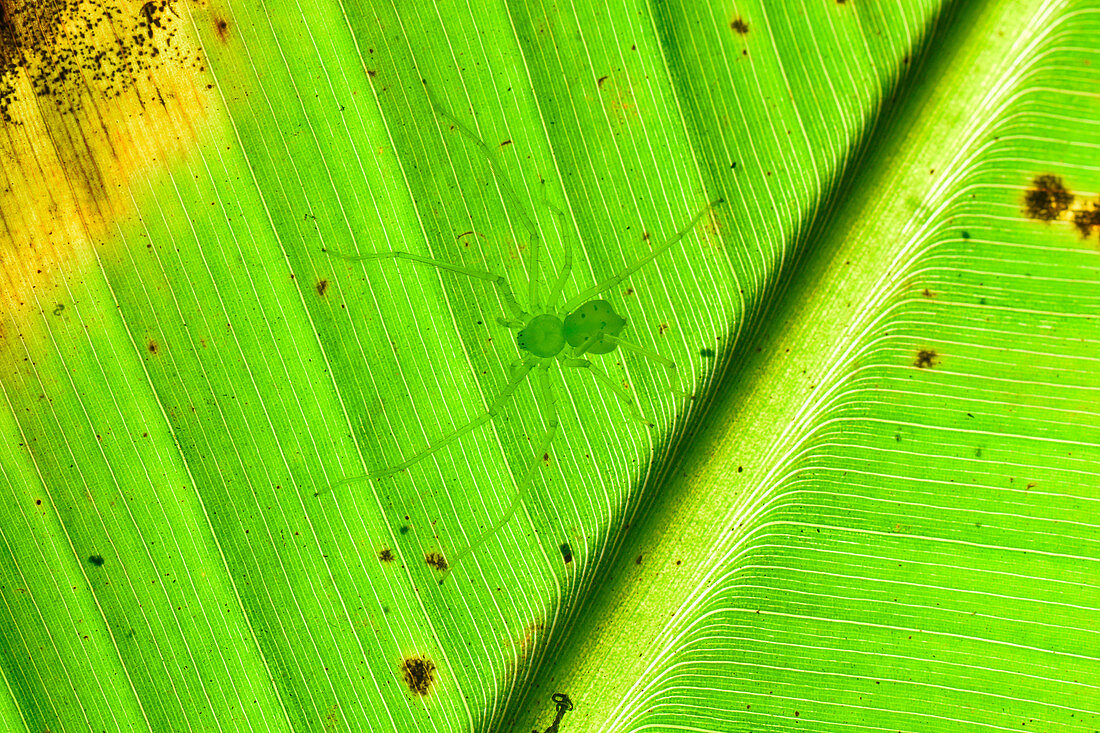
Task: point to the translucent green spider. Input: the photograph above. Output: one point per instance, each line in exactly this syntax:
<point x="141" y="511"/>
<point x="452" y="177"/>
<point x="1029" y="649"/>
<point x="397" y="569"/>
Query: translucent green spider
<point x="548" y="333"/>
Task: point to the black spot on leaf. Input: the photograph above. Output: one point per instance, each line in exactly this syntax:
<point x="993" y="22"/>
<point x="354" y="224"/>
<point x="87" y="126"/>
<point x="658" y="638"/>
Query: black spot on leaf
<point x="925" y="359"/>
<point x="1047" y="198"/>
<point x="436" y="560"/>
<point x="419" y="674"/>
<point x="1087" y="218"/>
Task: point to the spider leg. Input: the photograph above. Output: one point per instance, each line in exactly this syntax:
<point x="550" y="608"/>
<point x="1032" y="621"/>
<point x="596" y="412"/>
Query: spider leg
<point x="608" y="382"/>
<point x="549" y="409"/>
<point x="519" y="362"/>
<point x="673" y="376"/>
<point x="567" y="265"/>
<point x="498" y="280"/>
<point x="517" y="379"/>
<point x="629" y="270"/>
<point x="506" y="188"/>
<point x="585" y="345"/>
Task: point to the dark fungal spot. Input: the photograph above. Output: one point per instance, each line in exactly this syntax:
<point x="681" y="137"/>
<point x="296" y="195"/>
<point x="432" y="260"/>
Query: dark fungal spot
<point x="566" y="552"/>
<point x="404" y="529"/>
<point x="152" y="346"/>
<point x="1086" y="218"/>
<point x="96" y="560"/>
<point x="925" y="359"/>
<point x="965" y="235"/>
<point x="926" y="293"/>
<point x="740" y="26"/>
<point x="706" y="353"/>
<point x="385" y="555"/>
<point x="322" y="286"/>
<point x="1047" y="198"/>
<point x="436" y="560"/>
<point x="419" y="674"/>
<point x="221" y="27"/>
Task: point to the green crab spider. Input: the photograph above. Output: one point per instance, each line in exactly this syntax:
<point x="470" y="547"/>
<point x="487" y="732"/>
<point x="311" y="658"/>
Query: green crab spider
<point x="546" y="334"/>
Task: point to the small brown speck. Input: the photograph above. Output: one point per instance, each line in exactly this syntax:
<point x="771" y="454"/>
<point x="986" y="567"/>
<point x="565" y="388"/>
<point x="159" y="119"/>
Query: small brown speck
<point x="322" y="285"/>
<point x="925" y="359"/>
<point x="419" y="674"/>
<point x="638" y="560"/>
<point x="1047" y="198"/>
<point x="221" y="26"/>
<point x="436" y="560"/>
<point x="1087" y="218"/>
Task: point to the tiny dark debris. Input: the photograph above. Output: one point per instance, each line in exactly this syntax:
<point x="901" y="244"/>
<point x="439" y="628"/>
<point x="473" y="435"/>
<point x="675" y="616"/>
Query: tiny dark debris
<point x="1047" y="198"/>
<point x="436" y="560"/>
<point x="385" y="555"/>
<point x="638" y="560"/>
<point x="600" y="81"/>
<point x="419" y="674"/>
<point x="1087" y="218"/>
<point x="925" y="358"/>
<point x="322" y="286"/>
<point x="96" y="560"/>
<point x="740" y="26"/>
<point x="566" y="552"/>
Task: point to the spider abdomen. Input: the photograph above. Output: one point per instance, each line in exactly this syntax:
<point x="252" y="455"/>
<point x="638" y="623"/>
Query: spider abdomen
<point x="594" y="319"/>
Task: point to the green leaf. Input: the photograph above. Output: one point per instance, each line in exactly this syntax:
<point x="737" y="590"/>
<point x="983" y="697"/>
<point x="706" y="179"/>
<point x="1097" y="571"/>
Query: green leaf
<point x="230" y="500"/>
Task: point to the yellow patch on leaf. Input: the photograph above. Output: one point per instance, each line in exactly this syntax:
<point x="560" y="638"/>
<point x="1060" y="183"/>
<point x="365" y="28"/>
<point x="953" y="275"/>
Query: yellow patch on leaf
<point x="94" y="95"/>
